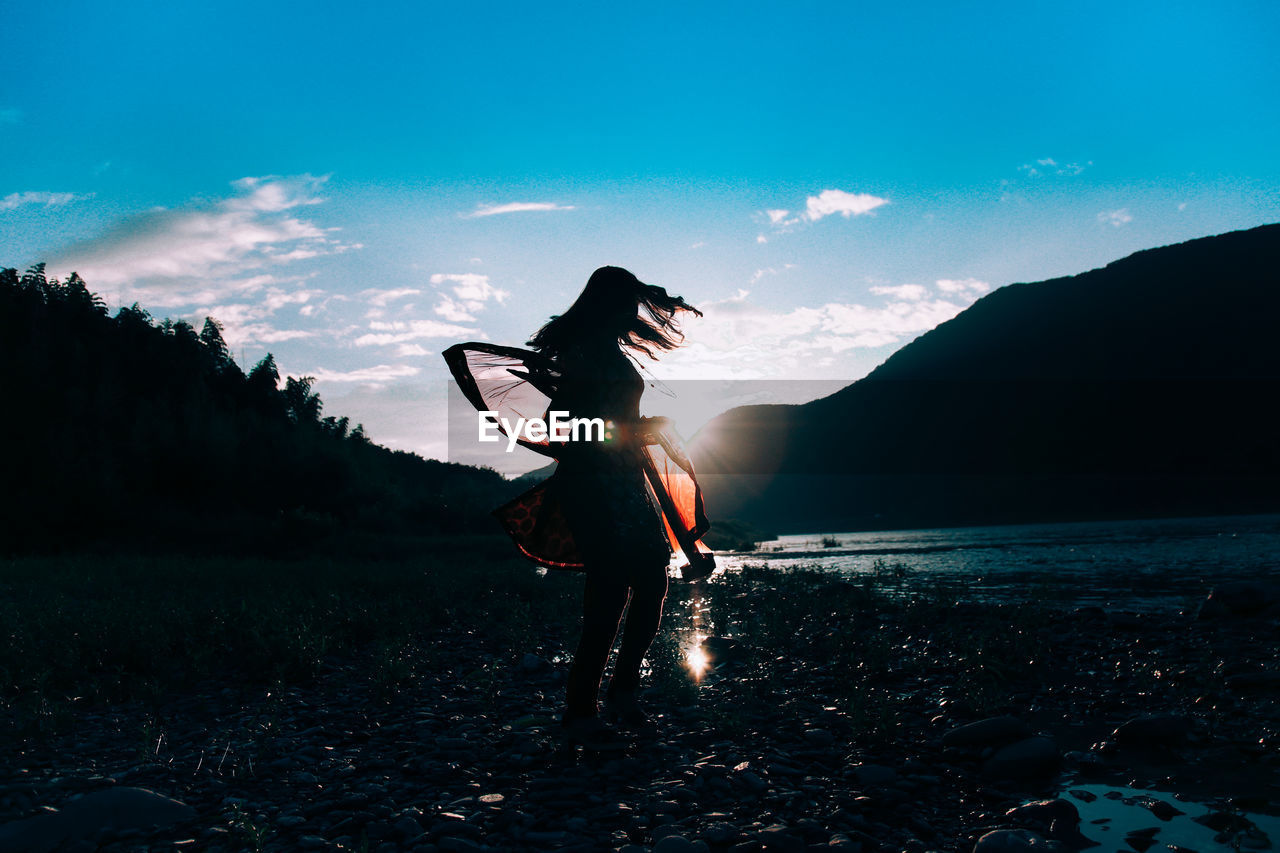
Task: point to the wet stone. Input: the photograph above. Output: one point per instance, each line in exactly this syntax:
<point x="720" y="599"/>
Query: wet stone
<point x="1032" y="758"/>
<point x="675" y="844"/>
<point x="1155" y="730"/>
<point x="1044" y="812"/>
<point x="781" y="839"/>
<point x="720" y="834"/>
<point x="993" y="731"/>
<point x="1010" y="841"/>
<point x="819" y="737"/>
<point x="872" y="774"/>
<point x="407" y="827"/>
<point x="1241" y="599"/>
<point x="460" y="845"/>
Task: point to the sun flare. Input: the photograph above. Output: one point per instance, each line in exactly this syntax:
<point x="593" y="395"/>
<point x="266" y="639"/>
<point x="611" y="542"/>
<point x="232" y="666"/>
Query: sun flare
<point x="696" y="659"/>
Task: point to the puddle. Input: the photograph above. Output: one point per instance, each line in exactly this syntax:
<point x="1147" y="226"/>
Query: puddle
<point x="1134" y="819"/>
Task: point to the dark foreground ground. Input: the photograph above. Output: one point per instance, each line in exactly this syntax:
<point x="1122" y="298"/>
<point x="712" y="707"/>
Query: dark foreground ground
<point x="411" y="706"/>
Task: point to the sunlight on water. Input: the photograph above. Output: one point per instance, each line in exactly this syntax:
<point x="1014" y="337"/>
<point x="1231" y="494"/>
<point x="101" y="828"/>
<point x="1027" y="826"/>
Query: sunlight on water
<point x="695" y="658"/>
<point x="1142" y="564"/>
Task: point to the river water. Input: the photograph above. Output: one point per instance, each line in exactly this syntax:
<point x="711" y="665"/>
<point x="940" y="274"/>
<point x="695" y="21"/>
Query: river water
<point x="1142" y="564"/>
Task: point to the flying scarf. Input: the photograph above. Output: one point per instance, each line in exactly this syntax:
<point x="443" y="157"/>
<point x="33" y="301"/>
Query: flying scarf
<point x="516" y="383"/>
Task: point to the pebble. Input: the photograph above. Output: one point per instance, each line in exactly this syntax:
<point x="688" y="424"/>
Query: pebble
<point x="1031" y="758"/>
<point x="1010" y="841"/>
<point x="872" y="774"/>
<point x="1155" y="730"/>
<point x="459" y="763"/>
<point x="1044" y="812"/>
<point x="993" y="731"/>
<point x="676" y="844"/>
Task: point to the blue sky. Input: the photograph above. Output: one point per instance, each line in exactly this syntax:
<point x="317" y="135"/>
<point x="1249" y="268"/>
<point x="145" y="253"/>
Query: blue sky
<point x="354" y="190"/>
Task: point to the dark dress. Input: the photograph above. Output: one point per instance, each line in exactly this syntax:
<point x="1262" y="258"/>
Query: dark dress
<point x="601" y="485"/>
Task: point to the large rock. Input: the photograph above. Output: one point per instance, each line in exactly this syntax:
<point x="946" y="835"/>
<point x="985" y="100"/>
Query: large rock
<point x="1057" y="819"/>
<point x="722" y="650"/>
<point x="1044" y="812"/>
<point x="1155" y="730"/>
<point x="1010" y="841"/>
<point x="1236" y="599"/>
<point x="86" y="818"/>
<point x="993" y="731"/>
<point x="781" y="839"/>
<point x="1030" y="758"/>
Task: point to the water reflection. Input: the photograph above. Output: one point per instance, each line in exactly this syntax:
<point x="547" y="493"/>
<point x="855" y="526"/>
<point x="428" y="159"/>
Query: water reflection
<point x="1134" y="819"/>
<point x="1147" y="564"/>
<point x="696" y="658"/>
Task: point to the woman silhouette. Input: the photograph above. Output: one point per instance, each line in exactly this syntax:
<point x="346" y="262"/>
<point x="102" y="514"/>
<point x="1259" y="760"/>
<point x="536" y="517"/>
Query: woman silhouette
<point x="601" y="489"/>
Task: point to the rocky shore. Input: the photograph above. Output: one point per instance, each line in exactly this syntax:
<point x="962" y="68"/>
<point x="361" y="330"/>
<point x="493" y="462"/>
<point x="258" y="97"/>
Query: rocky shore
<point x="909" y="724"/>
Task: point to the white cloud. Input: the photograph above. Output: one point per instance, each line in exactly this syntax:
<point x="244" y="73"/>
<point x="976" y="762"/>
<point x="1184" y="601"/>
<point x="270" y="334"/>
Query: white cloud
<point x="515" y="207"/>
<point x="1116" y="218"/>
<point x="242" y="321"/>
<point x="15" y="200"/>
<point x="383" y="333"/>
<point x="760" y="274"/>
<point x="412" y="350"/>
<point x="963" y="285"/>
<point x="264" y="333"/>
<point x="739" y="339"/>
<point x="276" y="299"/>
<point x="274" y="193"/>
<point x="376" y="375"/>
<point x="820" y="206"/>
<point x="380" y="298"/>
<point x="846" y="204"/>
<point x="272" y="301"/>
<point x="1052" y="166"/>
<point x="470" y="293"/>
<point x="205" y="252"/>
<point x="454" y="311"/>
<point x="908" y="292"/>
<point x="472" y="287"/>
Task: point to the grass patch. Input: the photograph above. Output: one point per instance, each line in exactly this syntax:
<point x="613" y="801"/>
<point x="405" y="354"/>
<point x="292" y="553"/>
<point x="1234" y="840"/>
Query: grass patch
<point x="92" y="630"/>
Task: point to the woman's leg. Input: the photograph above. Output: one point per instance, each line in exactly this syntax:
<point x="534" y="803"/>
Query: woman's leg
<point x="648" y="592"/>
<point x="604" y="597"/>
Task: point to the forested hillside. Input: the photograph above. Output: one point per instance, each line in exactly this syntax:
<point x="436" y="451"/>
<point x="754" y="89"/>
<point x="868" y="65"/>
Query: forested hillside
<point x="126" y="433"/>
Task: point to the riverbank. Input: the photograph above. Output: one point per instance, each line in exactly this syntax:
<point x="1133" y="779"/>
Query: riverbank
<point x="832" y="712"/>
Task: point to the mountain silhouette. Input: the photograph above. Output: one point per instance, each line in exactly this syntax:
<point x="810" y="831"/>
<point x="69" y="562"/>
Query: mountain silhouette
<point x="1139" y="389"/>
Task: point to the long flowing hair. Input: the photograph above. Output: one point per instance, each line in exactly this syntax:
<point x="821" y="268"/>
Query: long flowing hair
<point x="642" y="317"/>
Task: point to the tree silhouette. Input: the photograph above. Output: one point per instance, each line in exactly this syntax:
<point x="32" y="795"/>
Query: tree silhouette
<point x="116" y="419"/>
<point x="303" y="405"/>
<point x="211" y="337"/>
